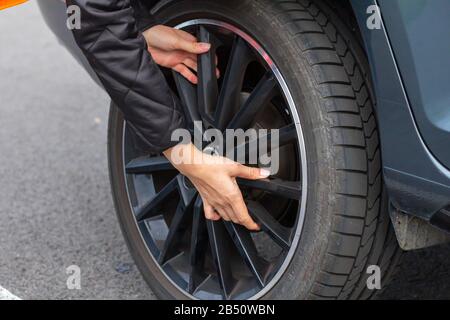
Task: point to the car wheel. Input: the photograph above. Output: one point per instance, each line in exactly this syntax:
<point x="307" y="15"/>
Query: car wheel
<point x="292" y="66"/>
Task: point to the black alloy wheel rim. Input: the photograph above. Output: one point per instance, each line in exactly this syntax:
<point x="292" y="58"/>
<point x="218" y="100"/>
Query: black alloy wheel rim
<point x="221" y="260"/>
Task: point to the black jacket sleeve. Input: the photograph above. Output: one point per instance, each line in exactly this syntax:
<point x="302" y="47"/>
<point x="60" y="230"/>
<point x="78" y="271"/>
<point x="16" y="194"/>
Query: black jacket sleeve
<point x="144" y="19"/>
<point x="110" y="39"/>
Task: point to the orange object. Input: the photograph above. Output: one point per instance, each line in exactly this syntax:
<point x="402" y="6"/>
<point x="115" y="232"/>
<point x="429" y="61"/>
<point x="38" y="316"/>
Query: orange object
<point x="9" y="3"/>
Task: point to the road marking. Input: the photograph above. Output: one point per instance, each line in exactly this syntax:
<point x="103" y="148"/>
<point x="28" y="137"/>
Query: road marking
<point x="6" y="295"/>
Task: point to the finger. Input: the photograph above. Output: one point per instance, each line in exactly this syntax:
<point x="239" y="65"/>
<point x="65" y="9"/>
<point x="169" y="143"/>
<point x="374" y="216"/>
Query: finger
<point x="192" y="64"/>
<point x="243" y="217"/>
<point x="186" y="35"/>
<point x="210" y="213"/>
<point x="185" y="72"/>
<point x="223" y="214"/>
<point x="217" y="69"/>
<point x="250" y="173"/>
<point x="193" y="47"/>
<point x="231" y="214"/>
<point x="192" y="56"/>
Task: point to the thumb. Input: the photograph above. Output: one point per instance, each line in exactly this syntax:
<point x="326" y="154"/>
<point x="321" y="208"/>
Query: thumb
<point x="252" y="173"/>
<point x="194" y="47"/>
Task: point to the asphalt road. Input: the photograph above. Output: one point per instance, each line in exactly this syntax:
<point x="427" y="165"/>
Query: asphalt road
<point x="55" y="203"/>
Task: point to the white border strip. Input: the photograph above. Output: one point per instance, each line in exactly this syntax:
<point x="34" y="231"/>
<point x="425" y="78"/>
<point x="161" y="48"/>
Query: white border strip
<point x="6" y="295"/>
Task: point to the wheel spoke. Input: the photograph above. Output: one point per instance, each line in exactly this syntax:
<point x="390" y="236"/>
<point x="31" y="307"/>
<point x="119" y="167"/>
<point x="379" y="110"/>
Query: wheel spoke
<point x="286" y="189"/>
<point x="247" y="249"/>
<point x="150" y="209"/>
<point x="188" y="96"/>
<point x="199" y="241"/>
<point x="230" y="94"/>
<point x="176" y="231"/>
<point x="148" y="165"/>
<point x="280" y="234"/>
<point x="187" y="195"/>
<point x="260" y="97"/>
<point x="220" y="249"/>
<point x="207" y="79"/>
<point x="287" y="135"/>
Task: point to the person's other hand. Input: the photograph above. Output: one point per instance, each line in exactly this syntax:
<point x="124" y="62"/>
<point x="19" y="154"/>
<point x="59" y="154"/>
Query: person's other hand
<point x="175" y="49"/>
<point x="215" y="179"/>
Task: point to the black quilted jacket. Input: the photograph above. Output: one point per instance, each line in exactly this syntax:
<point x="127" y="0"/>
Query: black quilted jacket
<point x="110" y="37"/>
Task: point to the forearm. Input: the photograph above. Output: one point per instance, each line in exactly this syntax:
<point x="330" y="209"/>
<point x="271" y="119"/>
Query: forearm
<point x="118" y="53"/>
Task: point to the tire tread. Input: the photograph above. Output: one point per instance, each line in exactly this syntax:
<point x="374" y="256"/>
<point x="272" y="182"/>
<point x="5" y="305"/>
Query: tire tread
<point x="363" y="236"/>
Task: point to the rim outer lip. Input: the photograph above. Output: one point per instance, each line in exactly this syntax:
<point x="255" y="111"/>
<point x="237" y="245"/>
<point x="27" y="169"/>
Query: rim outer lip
<point x="301" y="142"/>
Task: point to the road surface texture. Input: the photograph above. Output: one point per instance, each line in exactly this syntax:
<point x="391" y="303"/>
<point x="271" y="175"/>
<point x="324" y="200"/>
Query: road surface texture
<point x="55" y="203"/>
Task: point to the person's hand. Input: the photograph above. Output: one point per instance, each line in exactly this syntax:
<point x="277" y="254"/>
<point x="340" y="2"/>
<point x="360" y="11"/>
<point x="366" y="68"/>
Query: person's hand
<point x="176" y="50"/>
<point x="215" y="179"/>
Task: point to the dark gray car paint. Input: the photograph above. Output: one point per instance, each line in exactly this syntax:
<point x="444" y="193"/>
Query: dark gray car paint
<point x="419" y="31"/>
<point x="416" y="181"/>
<point x="54" y="13"/>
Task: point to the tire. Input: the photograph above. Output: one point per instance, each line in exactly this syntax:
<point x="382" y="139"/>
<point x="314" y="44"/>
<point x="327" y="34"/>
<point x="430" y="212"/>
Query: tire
<point x="346" y="226"/>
